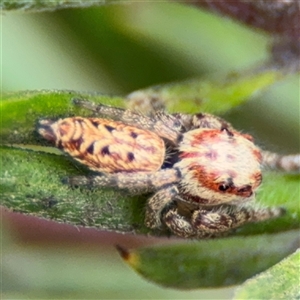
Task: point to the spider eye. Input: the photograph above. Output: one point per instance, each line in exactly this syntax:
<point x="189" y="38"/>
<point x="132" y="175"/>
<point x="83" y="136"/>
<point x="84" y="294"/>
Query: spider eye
<point x="224" y="187"/>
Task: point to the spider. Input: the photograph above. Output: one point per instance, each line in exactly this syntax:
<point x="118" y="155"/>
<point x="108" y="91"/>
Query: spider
<point x="202" y="173"/>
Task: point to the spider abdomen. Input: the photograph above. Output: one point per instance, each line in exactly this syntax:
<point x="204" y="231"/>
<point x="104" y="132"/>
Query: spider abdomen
<point x="105" y="145"/>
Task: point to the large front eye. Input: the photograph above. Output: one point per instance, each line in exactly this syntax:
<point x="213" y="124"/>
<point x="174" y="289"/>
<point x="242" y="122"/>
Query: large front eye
<point x="224" y="187"/>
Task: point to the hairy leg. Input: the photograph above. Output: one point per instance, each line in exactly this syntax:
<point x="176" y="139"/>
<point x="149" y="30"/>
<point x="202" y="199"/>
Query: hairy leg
<point x="204" y="120"/>
<point x="137" y="181"/>
<point x="205" y="223"/>
<point x="287" y="163"/>
<point x="180" y="225"/>
<point x="227" y="218"/>
<point x="157" y="203"/>
<point x="162" y="124"/>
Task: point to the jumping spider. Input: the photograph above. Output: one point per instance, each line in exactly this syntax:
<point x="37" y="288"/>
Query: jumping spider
<point x="201" y="171"/>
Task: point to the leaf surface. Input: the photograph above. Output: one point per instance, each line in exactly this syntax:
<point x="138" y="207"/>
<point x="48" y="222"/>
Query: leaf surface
<point x="211" y="96"/>
<point x="278" y="282"/>
<point x="211" y="263"/>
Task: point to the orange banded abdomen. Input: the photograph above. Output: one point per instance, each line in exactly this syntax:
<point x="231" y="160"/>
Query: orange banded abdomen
<point x="105" y="145"/>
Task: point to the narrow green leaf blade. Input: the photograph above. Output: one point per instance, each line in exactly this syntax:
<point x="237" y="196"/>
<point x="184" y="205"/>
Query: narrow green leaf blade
<point x="211" y="263"/>
<point x="209" y="96"/>
<point x="279" y="282"/>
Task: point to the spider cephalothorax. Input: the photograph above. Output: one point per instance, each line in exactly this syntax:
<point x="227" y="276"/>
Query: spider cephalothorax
<point x="200" y="184"/>
<point x="218" y="166"/>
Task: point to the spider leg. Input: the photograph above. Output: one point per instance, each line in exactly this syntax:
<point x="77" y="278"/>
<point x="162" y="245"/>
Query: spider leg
<point x="204" y="120"/>
<point x="228" y="218"/>
<point x="180" y="225"/>
<point x="206" y="223"/>
<point x="164" y="125"/>
<point x="157" y="203"/>
<point x="287" y="163"/>
<point x="134" y="182"/>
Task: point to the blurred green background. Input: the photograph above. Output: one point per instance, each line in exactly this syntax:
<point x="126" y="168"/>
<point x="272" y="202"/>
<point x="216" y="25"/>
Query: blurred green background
<point x="115" y="50"/>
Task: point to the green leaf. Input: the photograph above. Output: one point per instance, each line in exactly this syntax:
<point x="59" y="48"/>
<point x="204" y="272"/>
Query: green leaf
<point x="31" y="183"/>
<point x="212" y="263"/>
<point x="278" y="282"/>
<point x="207" y="95"/>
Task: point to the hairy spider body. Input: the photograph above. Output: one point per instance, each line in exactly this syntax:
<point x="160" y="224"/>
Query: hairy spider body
<point x="201" y="185"/>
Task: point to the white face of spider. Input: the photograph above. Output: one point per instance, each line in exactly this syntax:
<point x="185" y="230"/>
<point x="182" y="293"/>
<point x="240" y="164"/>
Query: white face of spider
<point x="218" y="166"/>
